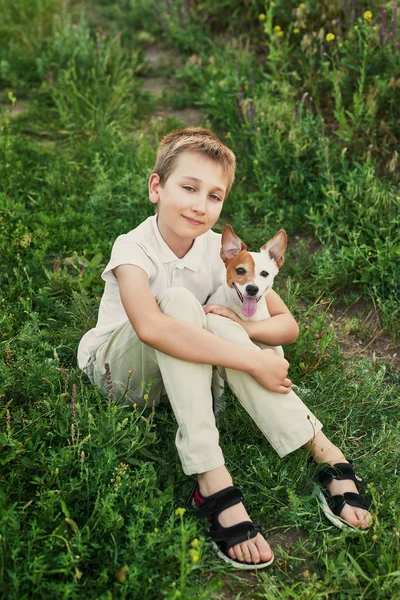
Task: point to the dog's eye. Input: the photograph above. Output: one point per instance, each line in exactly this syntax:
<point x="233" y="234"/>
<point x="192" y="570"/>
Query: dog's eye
<point x="240" y="271"/>
<point x="264" y="273"/>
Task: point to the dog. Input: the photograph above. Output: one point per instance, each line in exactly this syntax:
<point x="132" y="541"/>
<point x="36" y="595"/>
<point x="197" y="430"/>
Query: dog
<point x="249" y="275"/>
<point x="249" y="278"/>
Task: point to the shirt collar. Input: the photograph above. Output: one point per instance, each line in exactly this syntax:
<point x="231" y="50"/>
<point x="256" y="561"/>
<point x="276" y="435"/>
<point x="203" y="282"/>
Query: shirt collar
<point x="191" y="260"/>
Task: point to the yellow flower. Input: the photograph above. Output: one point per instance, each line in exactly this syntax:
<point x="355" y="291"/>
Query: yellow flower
<point x="280" y="33"/>
<point x="134" y="405"/>
<point x="195" y="543"/>
<point x="195" y="555"/>
<point x="302" y="5"/>
<point x="262" y="17"/>
<point x="330" y="37"/>
<point x="277" y="28"/>
<point x="367" y="16"/>
<point x="296" y="30"/>
<point x="146" y="397"/>
<point x="180" y="511"/>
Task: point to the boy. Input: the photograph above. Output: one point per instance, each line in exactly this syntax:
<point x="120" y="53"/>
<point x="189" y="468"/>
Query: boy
<point x="152" y="322"/>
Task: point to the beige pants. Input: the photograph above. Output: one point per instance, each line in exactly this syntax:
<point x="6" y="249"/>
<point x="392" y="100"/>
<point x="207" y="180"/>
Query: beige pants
<point x="283" y="418"/>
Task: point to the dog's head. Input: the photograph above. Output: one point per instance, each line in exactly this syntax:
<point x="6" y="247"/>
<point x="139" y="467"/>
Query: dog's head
<point x="251" y="274"/>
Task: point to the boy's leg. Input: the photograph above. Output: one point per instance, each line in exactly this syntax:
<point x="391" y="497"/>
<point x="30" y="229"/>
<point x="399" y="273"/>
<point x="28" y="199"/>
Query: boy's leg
<point x="188" y="385"/>
<point x="284" y="419"/>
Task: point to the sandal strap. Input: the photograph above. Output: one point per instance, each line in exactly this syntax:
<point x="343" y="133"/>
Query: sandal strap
<point x="340" y="472"/>
<point x="230" y="536"/>
<point x="216" y="503"/>
<point x="338" y="502"/>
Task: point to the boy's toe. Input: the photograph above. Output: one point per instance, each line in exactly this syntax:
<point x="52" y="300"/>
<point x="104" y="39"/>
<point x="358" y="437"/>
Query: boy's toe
<point x="364" y="518"/>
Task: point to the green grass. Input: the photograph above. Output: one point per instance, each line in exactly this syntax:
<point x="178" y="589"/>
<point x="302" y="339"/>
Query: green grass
<point x="90" y="492"/>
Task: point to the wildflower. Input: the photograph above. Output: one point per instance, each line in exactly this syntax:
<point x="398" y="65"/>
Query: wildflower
<point x="64" y="373"/>
<point x="130" y="373"/>
<point x="302" y="5"/>
<point x="180" y="511"/>
<point x="134" y="405"/>
<point x="56" y="264"/>
<point x="262" y="17"/>
<point x="277" y="28"/>
<point x="109" y="383"/>
<point x="280" y="33"/>
<point x="195" y="555"/>
<point x="8" y="420"/>
<point x="296" y="30"/>
<point x="146" y="397"/>
<point x="367" y="16"/>
<point x="73" y="401"/>
<point x="330" y="37"/>
<point x="195" y="543"/>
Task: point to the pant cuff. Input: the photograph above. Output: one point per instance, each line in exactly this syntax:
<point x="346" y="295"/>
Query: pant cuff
<point x="297" y="440"/>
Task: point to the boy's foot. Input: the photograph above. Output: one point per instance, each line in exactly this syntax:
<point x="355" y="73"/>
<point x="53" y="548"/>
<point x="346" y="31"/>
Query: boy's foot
<point x="254" y="550"/>
<point x="353" y="515"/>
<point x="323" y="451"/>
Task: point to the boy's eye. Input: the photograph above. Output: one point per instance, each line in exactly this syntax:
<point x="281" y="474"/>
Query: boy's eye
<point x="264" y="273"/>
<point x="216" y="198"/>
<point x="240" y="271"/>
<point x="188" y="187"/>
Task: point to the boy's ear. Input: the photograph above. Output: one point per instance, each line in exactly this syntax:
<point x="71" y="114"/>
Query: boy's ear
<point x="231" y="244"/>
<point x="276" y="247"/>
<point x="154" y="186"/>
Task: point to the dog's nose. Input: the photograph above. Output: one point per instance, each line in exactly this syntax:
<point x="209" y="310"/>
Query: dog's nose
<point x="251" y="290"/>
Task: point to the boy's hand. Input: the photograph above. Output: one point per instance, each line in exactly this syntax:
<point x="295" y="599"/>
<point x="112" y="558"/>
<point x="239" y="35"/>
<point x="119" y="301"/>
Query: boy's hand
<point x="270" y="370"/>
<point x="222" y="311"/>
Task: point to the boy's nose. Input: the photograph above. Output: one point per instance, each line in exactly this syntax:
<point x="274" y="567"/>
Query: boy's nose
<point x="199" y="205"/>
<point x="251" y="290"/>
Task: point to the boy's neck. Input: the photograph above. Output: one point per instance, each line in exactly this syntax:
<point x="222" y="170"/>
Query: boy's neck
<point x="178" y="246"/>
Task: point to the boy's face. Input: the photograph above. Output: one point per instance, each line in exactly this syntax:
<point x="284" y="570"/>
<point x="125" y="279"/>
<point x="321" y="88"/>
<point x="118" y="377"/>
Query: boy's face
<point x="190" y="201"/>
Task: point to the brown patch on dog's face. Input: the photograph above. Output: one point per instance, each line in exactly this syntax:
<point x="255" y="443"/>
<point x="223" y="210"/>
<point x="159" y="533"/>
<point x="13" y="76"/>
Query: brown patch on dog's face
<point x="240" y="269"/>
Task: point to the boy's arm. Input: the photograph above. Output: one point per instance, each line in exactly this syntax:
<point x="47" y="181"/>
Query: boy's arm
<point x="191" y="343"/>
<point x="280" y="328"/>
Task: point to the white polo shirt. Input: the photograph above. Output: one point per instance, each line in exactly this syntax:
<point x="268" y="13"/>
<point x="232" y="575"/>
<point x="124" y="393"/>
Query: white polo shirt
<point x="200" y="271"/>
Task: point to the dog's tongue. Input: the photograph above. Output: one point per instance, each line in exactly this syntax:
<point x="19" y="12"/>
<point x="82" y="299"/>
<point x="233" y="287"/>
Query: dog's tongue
<point x="249" y="306"/>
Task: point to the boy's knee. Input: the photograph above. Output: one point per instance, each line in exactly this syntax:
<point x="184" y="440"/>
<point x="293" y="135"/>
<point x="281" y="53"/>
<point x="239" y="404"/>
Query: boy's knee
<point x="180" y="303"/>
<point x="228" y="330"/>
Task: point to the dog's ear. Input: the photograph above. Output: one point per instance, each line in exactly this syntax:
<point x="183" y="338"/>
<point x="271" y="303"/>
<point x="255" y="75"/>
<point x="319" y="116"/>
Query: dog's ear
<point x="231" y="244"/>
<point x="276" y="247"/>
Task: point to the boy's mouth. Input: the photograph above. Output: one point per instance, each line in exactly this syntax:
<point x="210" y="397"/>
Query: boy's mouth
<point x="192" y="221"/>
<point x="249" y="303"/>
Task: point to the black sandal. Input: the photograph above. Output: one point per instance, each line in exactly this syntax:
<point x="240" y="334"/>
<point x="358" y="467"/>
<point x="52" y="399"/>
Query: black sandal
<point x="224" y="538"/>
<point x="332" y="506"/>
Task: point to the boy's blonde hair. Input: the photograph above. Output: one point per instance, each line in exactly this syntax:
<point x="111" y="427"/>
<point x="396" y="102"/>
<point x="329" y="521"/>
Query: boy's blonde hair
<point x="194" y="139"/>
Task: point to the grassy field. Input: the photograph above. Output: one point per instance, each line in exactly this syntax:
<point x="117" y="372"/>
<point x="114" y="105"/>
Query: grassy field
<point x="92" y="495"/>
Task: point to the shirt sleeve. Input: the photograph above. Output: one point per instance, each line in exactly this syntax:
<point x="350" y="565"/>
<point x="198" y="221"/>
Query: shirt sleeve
<point x="126" y="251"/>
